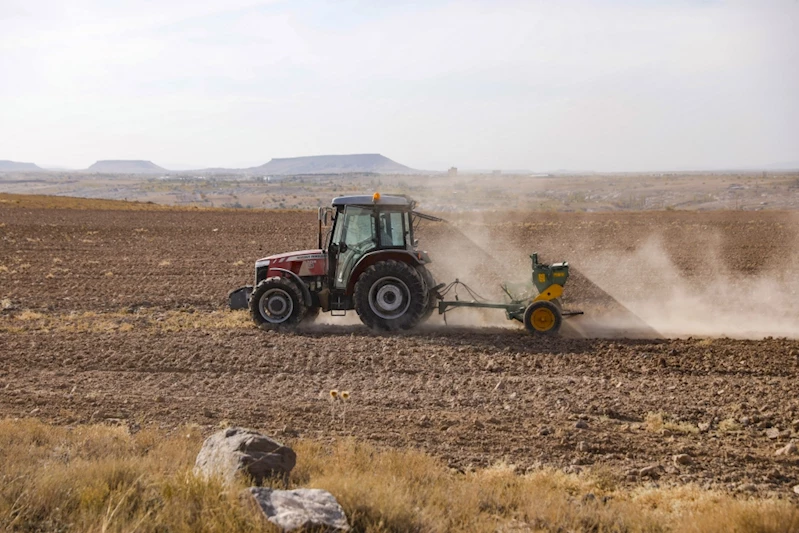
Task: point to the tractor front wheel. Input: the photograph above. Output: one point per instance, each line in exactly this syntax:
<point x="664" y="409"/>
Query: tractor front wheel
<point x="390" y="296"/>
<point x="542" y="318"/>
<point x="277" y="303"/>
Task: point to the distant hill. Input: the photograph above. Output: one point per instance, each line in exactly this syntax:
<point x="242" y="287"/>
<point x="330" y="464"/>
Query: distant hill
<point x="119" y="166"/>
<point x="333" y="164"/>
<point x="15" y="166"/>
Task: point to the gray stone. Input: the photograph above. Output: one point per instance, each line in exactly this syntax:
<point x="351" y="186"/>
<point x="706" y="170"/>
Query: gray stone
<point x="301" y="509"/>
<point x="773" y="433"/>
<point x="581" y="424"/>
<point x="788" y="449"/>
<point x="650" y="472"/>
<point x="234" y="450"/>
<point x="683" y="459"/>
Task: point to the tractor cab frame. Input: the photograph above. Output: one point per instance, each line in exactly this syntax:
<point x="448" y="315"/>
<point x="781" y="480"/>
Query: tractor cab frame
<point x="362" y="231"/>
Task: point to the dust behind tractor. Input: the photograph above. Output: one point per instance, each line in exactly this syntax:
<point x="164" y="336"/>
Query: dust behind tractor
<point x="368" y="260"/>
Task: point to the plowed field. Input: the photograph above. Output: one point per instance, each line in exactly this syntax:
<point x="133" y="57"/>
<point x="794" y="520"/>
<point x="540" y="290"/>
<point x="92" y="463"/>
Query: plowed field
<point x="689" y="345"/>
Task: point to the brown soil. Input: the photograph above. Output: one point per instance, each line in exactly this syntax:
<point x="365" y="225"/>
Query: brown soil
<point x="118" y="315"/>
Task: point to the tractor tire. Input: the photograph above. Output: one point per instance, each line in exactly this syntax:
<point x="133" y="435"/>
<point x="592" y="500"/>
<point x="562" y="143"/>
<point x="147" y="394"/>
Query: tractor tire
<point x="542" y="318"/>
<point x="276" y="303"/>
<point x="432" y="302"/>
<point x="390" y="296"/>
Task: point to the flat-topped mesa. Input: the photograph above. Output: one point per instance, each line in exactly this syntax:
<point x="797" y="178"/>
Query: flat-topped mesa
<point x="121" y="166"/>
<point x="334" y="164"/>
<point x="16" y="166"/>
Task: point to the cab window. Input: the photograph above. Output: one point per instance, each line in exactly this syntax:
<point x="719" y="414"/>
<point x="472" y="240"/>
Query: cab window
<point x="392" y="229"/>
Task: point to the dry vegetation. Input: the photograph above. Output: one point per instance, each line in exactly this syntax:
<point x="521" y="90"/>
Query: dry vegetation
<point x="101" y="478"/>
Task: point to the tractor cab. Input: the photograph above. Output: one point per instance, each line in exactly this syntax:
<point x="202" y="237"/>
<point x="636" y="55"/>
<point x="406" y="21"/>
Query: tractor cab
<point x="362" y="225"/>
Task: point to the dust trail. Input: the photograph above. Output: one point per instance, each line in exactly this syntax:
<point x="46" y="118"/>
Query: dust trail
<point x="713" y="303"/>
<point x="636" y="292"/>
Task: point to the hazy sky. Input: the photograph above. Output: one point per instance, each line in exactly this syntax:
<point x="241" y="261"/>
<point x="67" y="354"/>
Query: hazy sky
<point x="602" y="85"/>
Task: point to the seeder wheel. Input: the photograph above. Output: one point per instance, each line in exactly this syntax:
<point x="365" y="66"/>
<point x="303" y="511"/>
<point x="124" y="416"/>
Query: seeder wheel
<point x="542" y="318"/>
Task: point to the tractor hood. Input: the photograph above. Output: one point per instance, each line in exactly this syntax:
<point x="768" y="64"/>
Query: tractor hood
<point x="289" y="257"/>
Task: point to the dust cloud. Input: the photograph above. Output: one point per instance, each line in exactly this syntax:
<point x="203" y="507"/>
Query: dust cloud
<point x="638" y="293"/>
<point x="715" y="303"/>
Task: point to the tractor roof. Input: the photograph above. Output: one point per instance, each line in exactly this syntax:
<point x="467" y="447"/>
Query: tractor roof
<point x="368" y="199"/>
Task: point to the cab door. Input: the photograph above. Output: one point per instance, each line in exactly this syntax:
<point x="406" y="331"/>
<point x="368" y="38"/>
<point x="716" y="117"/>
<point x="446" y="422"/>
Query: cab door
<point x="354" y="236"/>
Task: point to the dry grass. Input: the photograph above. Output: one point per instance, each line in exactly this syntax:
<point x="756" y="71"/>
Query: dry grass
<point x="32" y="201"/>
<point x="35" y="201"/>
<point x="657" y="422"/>
<point x="100" y="478"/>
<point x="105" y="322"/>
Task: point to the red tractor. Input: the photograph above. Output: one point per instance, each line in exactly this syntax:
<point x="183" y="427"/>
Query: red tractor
<point x="368" y="262"/>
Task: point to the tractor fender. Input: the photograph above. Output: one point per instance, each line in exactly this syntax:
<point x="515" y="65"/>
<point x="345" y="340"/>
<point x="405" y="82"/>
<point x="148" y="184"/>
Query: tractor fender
<point x="306" y="294"/>
<point x="371" y="258"/>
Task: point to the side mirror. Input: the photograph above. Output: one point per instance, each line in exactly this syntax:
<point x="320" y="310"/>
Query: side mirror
<point x="324" y="216"/>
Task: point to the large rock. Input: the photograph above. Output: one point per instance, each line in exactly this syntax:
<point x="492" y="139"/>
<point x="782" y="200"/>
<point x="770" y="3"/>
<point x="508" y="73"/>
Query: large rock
<point x="234" y="450"/>
<point x="301" y="509"/>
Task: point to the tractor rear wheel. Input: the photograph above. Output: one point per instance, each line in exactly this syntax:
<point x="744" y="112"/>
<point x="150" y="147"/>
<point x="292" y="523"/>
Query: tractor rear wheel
<point x="390" y="296"/>
<point x="429" y="282"/>
<point x="277" y="303"/>
<point x="542" y="318"/>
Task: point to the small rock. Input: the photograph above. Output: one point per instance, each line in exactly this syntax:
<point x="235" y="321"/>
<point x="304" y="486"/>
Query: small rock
<point x="207" y="413"/>
<point x="649" y="471"/>
<point x="773" y="433"/>
<point x="745" y="421"/>
<point x="301" y="509"/>
<point x="747" y="487"/>
<point x="544" y="431"/>
<point x="581" y="424"/>
<point x="704" y="427"/>
<point x="683" y="459"/>
<point x="796" y="489"/>
<point x="788" y="449"/>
